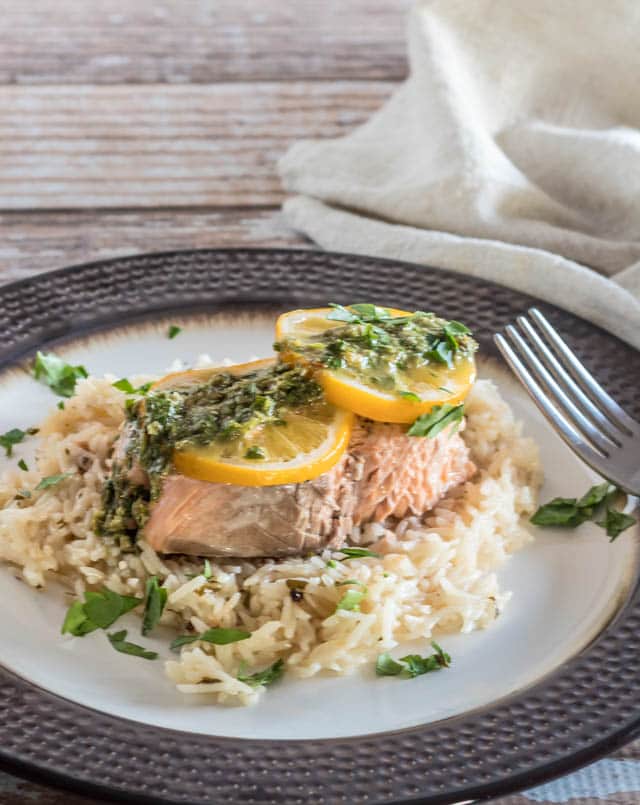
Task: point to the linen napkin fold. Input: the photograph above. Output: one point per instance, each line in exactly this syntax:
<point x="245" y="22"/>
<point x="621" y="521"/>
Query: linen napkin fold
<point x="512" y="152"/>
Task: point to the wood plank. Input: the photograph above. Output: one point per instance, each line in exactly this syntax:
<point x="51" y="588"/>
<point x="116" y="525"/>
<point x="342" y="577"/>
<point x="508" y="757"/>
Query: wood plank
<point x="71" y="147"/>
<point x="170" y="41"/>
<point x="32" y="243"/>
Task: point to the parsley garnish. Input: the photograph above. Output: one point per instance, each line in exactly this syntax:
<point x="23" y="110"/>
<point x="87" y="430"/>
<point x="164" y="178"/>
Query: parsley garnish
<point x="595" y="495"/>
<point x="61" y="377"/>
<point x="206" y="571"/>
<point x="265" y="677"/>
<point x="351" y="600"/>
<point x="255" y="452"/>
<point x="442" y="352"/>
<point x="125" y="385"/>
<point x="409" y="395"/>
<point x="387" y="666"/>
<point x="11" y="438"/>
<point x="217" y="636"/>
<point x="356" y="553"/>
<point x="76" y="621"/>
<point x="359" y="314"/>
<point x="97" y="611"/>
<point x="52" y="480"/>
<point x="561" y="512"/>
<point x="61" y="405"/>
<point x="173" y="331"/>
<point x="413" y="664"/>
<point x="155" y="600"/>
<point x="436" y="420"/>
<point x="572" y="512"/>
<point x="119" y="642"/>
<point x="23" y="465"/>
<point x="616" y="522"/>
<point x="340" y="313"/>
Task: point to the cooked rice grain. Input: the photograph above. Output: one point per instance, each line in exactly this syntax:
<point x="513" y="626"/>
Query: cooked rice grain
<point x="433" y="577"/>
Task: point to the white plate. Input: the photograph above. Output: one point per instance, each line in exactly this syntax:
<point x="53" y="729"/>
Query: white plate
<point x="566" y="586"/>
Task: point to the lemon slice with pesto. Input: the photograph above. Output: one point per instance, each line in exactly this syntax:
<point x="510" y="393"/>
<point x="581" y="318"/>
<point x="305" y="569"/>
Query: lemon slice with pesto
<point x="381" y="363"/>
<point x="257" y="424"/>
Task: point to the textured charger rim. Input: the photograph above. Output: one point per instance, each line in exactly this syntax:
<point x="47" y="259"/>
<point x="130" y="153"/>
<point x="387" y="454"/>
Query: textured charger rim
<point x="522" y="740"/>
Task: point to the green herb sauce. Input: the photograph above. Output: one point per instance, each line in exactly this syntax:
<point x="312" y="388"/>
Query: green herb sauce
<point x="224" y="408"/>
<point x="385" y="351"/>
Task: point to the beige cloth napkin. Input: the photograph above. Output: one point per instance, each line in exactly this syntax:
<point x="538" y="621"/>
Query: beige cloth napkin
<point x="512" y="152"/>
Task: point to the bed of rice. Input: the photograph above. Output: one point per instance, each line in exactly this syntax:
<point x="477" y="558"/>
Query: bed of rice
<point x="433" y="576"/>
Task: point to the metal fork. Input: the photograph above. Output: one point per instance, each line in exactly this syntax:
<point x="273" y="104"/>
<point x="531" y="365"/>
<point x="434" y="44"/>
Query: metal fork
<point x="589" y="420"/>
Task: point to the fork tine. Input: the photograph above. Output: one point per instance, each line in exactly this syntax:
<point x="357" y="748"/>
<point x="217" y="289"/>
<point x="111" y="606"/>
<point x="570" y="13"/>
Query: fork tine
<point x="570" y="386"/>
<point x="561" y="400"/>
<point x="566" y="431"/>
<point x="582" y="376"/>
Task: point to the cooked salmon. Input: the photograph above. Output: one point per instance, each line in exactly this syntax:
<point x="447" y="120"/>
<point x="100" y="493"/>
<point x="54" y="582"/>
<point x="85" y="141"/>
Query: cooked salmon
<point x="384" y="474"/>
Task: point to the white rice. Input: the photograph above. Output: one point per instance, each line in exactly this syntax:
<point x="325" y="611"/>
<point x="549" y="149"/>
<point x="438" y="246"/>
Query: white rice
<point x="433" y="577"/>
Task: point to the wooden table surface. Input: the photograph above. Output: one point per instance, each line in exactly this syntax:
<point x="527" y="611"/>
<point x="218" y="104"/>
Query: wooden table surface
<point x="136" y="125"/>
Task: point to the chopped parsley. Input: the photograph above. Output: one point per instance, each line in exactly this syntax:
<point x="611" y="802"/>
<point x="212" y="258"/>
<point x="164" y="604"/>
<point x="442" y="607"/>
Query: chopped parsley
<point x="119" y="642"/>
<point x="154" y="603"/>
<point x="265" y="677"/>
<point x="597" y="502"/>
<point x="53" y="480"/>
<point x="351" y="600"/>
<point x="76" y="621"/>
<point x="413" y="664"/>
<point x="391" y="352"/>
<point x="357" y="553"/>
<point x="615" y="522"/>
<point x="409" y="395"/>
<point x="561" y="512"/>
<point x="173" y="331"/>
<point x="98" y="611"/>
<point x="359" y="313"/>
<point x="61" y="405"/>
<point x="23" y="465"/>
<point x="387" y="666"/>
<point x="13" y="437"/>
<point x="217" y="636"/>
<point x="436" y="420"/>
<point x="255" y="452"/>
<point x="125" y="385"/>
<point x="60" y="376"/>
<point x="206" y="571"/>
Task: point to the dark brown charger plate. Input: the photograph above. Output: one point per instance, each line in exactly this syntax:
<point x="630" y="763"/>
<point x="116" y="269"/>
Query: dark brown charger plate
<point x="587" y="707"/>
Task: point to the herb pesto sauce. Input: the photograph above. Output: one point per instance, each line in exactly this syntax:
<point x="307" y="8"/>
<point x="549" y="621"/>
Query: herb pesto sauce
<point x="225" y="408"/>
<point x="399" y="354"/>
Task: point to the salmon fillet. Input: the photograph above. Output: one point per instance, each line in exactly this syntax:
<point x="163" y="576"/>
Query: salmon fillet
<point x="384" y="473"/>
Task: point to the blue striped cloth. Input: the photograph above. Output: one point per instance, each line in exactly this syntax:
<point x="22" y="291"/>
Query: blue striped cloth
<point x="598" y="781"/>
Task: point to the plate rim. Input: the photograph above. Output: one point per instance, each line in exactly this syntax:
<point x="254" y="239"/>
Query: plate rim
<point x="38" y="697"/>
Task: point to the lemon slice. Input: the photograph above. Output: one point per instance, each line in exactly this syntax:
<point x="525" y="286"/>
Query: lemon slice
<point x="304" y="443"/>
<point x="190" y="378"/>
<point x="416" y="391"/>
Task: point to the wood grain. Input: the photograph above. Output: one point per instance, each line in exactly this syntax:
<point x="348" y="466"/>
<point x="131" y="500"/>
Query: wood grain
<point x="32" y="243"/>
<point x="172" y="41"/>
<point x="149" y="146"/>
